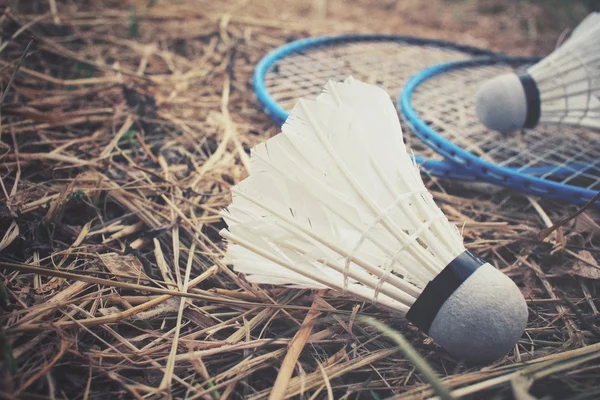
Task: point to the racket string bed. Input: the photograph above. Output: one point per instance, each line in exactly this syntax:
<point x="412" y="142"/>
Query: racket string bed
<point x="583" y="164"/>
<point x="387" y="63"/>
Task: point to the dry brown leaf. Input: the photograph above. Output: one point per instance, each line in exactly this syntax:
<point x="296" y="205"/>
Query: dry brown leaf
<point x="162" y="310"/>
<point x="125" y="266"/>
<point x="585" y="266"/>
<point x="92" y="183"/>
<point x="57" y="205"/>
<point x="530" y="283"/>
<point x="50" y="286"/>
<point x="585" y="223"/>
<point x="108" y="311"/>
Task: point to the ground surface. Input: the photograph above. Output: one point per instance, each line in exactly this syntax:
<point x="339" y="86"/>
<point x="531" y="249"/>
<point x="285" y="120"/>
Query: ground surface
<point x="121" y="135"/>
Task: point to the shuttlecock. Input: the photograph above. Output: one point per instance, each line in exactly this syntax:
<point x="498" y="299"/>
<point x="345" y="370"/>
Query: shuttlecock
<point x="334" y="201"/>
<point x="563" y="88"/>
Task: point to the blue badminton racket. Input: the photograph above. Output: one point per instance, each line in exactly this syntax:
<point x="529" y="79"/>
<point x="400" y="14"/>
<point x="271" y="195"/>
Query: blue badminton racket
<point x="301" y="68"/>
<point x="558" y="162"/>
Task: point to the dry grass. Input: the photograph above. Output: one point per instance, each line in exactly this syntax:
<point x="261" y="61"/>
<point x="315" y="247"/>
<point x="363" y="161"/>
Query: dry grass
<point x="122" y="131"/>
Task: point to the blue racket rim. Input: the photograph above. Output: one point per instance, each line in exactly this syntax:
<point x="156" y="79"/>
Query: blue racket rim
<point x="279" y="115"/>
<point x="480" y="169"/>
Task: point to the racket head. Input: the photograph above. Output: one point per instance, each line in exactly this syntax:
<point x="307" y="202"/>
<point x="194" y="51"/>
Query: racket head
<point x="557" y="162"/>
<point x="300" y="69"/>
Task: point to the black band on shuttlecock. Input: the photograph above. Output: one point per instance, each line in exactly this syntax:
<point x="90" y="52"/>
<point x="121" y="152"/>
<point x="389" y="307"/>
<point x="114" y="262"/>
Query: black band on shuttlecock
<point x="423" y="311"/>
<point x="532" y="96"/>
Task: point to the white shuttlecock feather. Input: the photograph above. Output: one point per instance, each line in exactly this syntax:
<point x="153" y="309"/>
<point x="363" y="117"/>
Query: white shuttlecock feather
<point x="335" y="201"/>
<point x="562" y="88"/>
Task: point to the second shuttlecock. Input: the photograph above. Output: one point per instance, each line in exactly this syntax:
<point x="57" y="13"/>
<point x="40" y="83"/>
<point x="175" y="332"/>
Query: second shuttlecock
<point x="563" y="88"/>
<point x="335" y="201"/>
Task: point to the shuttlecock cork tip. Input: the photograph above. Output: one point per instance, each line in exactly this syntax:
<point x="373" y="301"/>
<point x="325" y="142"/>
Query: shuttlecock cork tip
<point x="503" y="104"/>
<point x="480" y="321"/>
